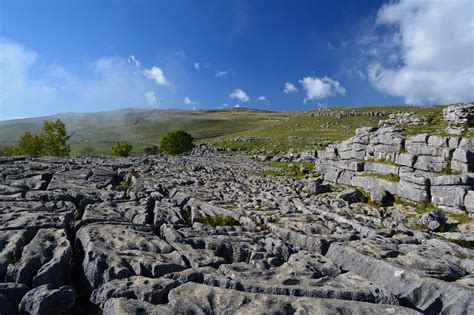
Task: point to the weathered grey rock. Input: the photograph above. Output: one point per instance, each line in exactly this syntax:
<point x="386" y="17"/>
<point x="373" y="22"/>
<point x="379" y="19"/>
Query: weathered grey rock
<point x="202" y="299"/>
<point x="47" y="259"/>
<point x="426" y="295"/>
<point x="351" y="195"/>
<point x="46" y="299"/>
<point x="460" y="114"/>
<point x="116" y="251"/>
<point x="469" y="202"/>
<point x="13" y="292"/>
<point x="433" y="220"/>
<point x="452" y="196"/>
<point x="150" y="290"/>
<point x="381" y="196"/>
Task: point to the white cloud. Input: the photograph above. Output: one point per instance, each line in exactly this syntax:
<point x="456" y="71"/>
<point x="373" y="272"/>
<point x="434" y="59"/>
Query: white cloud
<point x="290" y="88"/>
<point x="240" y="95"/>
<point x="188" y="101"/>
<point x="132" y="59"/>
<point x="31" y="85"/>
<point x="261" y="98"/>
<point x="197" y="66"/>
<point x="150" y="98"/>
<point x="429" y="55"/>
<point x="318" y="88"/>
<point x="223" y="73"/>
<point x="237" y="105"/>
<point x="156" y="74"/>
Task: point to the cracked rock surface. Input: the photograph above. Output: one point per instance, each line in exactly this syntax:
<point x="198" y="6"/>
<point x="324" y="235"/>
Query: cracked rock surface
<point x="206" y="235"/>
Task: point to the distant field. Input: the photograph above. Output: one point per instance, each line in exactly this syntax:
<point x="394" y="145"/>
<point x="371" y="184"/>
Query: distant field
<point x="269" y="130"/>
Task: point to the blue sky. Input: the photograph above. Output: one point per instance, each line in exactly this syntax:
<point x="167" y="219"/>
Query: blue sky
<point x="81" y="56"/>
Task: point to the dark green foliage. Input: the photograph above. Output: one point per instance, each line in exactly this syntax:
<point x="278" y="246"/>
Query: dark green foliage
<point x="124" y="185"/>
<point x="219" y="220"/>
<point x="153" y="150"/>
<point x="121" y="149"/>
<point x="87" y="151"/>
<point x="50" y="141"/>
<point x="6" y="150"/>
<point x="177" y="142"/>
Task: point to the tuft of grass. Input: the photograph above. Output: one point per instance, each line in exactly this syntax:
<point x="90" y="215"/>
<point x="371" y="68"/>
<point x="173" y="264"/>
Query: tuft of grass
<point x="461" y="218"/>
<point x="425" y="207"/>
<point x="124" y="185"/>
<point x="390" y="177"/>
<point x="136" y="174"/>
<point x="219" y="220"/>
<point x="404" y="203"/>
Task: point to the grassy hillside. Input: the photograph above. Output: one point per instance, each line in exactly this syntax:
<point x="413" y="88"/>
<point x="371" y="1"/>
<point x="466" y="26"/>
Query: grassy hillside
<point x="231" y="128"/>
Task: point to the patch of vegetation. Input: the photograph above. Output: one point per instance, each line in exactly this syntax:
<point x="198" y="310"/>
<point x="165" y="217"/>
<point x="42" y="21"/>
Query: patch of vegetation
<point x="391" y="177"/>
<point x="290" y="169"/>
<point x="152" y="150"/>
<point x="50" y="141"/>
<point x="404" y="203"/>
<point x="136" y="174"/>
<point x="425" y="207"/>
<point x="219" y="220"/>
<point x="461" y="218"/>
<point x="177" y="142"/>
<point x="121" y="149"/>
<point x="124" y="185"/>
<point x="462" y="243"/>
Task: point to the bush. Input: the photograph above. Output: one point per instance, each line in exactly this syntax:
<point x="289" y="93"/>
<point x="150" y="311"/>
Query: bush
<point x="177" y="142"/>
<point x="50" y="141"/>
<point x="121" y="149"/>
<point x="6" y="150"/>
<point x="153" y="150"/>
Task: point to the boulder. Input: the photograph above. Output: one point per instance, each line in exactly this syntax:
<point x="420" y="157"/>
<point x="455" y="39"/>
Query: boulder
<point x="433" y="220"/>
<point x="48" y="300"/>
<point x="351" y="195"/>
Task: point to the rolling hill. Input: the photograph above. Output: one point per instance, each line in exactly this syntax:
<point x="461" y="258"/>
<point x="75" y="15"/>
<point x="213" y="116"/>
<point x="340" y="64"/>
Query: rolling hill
<point x="231" y="128"/>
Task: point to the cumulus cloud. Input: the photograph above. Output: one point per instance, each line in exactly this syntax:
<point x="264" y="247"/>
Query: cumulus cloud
<point x="428" y="55"/>
<point x="290" y="88"/>
<point x="156" y="74"/>
<point x="150" y="98"/>
<point x="133" y="60"/>
<point x="261" y="98"/>
<point x="240" y="95"/>
<point x="197" y="66"/>
<point x="237" y="105"/>
<point x="188" y="101"/>
<point x="318" y="88"/>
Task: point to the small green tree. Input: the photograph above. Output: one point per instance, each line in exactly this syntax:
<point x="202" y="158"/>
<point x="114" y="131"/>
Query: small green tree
<point x="54" y="137"/>
<point x="6" y="150"/>
<point x="30" y="144"/>
<point x="121" y="149"/>
<point x="177" y="142"/>
<point x="50" y="141"/>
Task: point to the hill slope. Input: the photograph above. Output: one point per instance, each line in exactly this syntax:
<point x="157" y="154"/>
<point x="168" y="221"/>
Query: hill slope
<point x="232" y="128"/>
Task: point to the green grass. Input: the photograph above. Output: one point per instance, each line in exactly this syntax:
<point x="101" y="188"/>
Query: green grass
<point x="390" y="177"/>
<point x="290" y="169"/>
<point x="124" y="185"/>
<point x="461" y="218"/>
<point x="425" y="207"/>
<point x="219" y="220"/>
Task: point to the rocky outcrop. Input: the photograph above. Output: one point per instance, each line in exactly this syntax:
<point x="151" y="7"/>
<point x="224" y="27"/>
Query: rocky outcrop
<point x="419" y="168"/>
<point x="460" y="114"/>
<point x="209" y="234"/>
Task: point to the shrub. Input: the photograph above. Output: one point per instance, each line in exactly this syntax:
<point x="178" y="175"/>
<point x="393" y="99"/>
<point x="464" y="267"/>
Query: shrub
<point x="218" y="220"/>
<point x="177" y="142"/>
<point x="121" y="149"/>
<point x="50" y="141"/>
<point x="153" y="150"/>
<point x="7" y="150"/>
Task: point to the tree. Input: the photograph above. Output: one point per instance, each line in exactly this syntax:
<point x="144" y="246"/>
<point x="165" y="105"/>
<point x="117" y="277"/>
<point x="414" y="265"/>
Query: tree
<point x="6" y="150"/>
<point x="50" y="141"/>
<point x="177" y="142"/>
<point x="30" y="144"/>
<point x="121" y="149"/>
<point x="54" y="138"/>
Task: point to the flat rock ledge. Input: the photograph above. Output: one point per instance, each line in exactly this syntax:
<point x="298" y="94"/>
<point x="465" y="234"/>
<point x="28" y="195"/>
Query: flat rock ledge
<point x="209" y="235"/>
